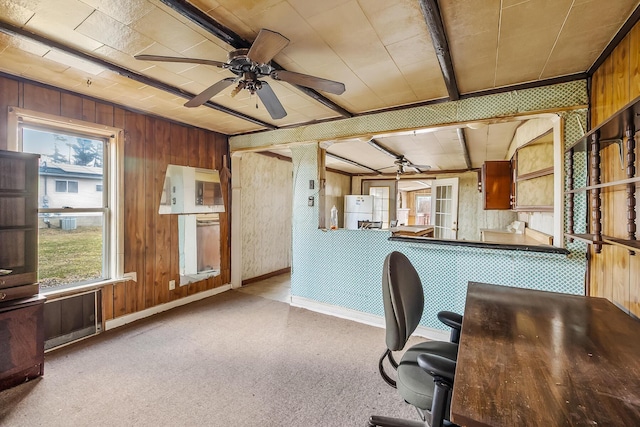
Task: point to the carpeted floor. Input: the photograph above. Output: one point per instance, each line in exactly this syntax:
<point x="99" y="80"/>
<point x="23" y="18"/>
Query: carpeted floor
<point x="234" y="359"/>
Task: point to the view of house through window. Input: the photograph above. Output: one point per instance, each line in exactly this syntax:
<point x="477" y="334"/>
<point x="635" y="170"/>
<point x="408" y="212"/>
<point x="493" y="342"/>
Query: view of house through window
<point x="72" y="206"/>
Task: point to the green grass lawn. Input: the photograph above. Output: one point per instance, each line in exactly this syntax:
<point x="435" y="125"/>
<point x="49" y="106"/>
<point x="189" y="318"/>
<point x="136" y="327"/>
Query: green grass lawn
<point x="69" y="256"/>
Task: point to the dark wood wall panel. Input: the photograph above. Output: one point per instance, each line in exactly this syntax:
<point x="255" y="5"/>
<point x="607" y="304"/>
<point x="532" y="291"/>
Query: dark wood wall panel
<point x="134" y="224"/>
<point x="615" y="273"/>
<point x="40" y="99"/>
<point x="163" y="234"/>
<point x="150" y="144"/>
<point x="150" y="153"/>
<point x="71" y="106"/>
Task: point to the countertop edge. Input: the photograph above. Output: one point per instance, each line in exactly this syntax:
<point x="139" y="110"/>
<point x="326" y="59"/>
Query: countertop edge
<point x="483" y="245"/>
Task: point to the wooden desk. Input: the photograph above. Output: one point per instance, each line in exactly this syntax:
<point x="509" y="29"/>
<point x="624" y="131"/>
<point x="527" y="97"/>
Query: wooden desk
<point x="533" y="358"/>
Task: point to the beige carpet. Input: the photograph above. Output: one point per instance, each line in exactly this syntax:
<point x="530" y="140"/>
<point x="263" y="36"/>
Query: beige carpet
<point x="230" y="360"/>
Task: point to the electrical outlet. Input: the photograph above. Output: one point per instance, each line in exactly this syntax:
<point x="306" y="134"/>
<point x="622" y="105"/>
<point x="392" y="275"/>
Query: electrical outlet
<point x="172" y="285"/>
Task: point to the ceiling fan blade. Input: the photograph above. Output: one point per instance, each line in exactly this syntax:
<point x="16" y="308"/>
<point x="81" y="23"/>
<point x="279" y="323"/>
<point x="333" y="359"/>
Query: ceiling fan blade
<point x="209" y="92"/>
<point x="271" y="102"/>
<point x="178" y="59"/>
<point x="267" y="45"/>
<point x="419" y="168"/>
<point x="312" y="82"/>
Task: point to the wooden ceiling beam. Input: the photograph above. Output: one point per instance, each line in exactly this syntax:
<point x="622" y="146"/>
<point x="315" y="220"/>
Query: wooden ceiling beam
<point x="22" y="33"/>
<point x="465" y="147"/>
<point x="432" y="17"/>
<point x="352" y="162"/>
<point x="225" y="34"/>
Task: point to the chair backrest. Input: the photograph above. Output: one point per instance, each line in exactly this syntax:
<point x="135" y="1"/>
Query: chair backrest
<point x="403" y="299"/>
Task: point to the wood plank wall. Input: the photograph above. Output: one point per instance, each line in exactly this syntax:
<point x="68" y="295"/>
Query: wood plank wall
<point x="151" y="143"/>
<point x="614" y="273"/>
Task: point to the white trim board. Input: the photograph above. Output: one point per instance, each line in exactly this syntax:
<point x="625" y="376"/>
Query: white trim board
<point x="361" y="317"/>
<point x="123" y="320"/>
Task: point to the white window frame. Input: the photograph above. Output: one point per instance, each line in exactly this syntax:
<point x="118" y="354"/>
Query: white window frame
<point x="113" y="178"/>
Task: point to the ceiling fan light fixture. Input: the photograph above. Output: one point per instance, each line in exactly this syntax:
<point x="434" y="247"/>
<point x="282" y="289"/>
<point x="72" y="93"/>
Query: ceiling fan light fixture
<point x="250" y="65"/>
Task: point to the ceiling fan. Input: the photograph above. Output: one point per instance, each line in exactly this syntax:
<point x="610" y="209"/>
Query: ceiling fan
<point x="402" y="163"/>
<point x="249" y="65"/>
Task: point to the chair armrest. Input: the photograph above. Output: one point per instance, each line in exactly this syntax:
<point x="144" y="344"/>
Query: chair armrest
<point x="437" y="366"/>
<point x="451" y="319"/>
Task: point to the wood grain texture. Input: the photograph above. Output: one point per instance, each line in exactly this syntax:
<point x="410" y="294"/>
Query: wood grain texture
<point x="21" y="341"/>
<point x="620" y="74"/>
<point x="607" y="100"/>
<point x="533" y="358"/>
<point x="150" y="167"/>
<point x="119" y="298"/>
<point x="88" y="110"/>
<point x="104" y="114"/>
<point x="614" y="274"/>
<point x="41" y="99"/>
<point x="71" y="106"/>
<point x="162" y="240"/>
<point x="107" y="303"/>
<point x="634" y="62"/>
<point x="134" y="214"/>
<point x="620" y="277"/>
<point x="597" y="97"/>
<point x="634" y="285"/>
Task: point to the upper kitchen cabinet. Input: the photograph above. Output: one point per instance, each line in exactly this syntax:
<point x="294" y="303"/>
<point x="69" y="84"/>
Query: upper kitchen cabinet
<point x="533" y="175"/>
<point x="496" y="185"/>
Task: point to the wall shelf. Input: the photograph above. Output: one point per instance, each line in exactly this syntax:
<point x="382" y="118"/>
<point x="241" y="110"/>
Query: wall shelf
<point x="611" y="130"/>
<point x="635" y="181"/>
<point x="591" y="239"/>
<point x="620" y="129"/>
<point x="632" y="245"/>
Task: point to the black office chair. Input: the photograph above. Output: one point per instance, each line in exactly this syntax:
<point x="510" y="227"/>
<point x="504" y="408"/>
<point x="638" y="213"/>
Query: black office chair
<point x="403" y="299"/>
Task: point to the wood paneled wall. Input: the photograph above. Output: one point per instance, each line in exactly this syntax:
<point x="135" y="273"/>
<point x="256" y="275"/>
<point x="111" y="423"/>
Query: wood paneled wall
<point x="615" y="273"/>
<point x="151" y="143"/>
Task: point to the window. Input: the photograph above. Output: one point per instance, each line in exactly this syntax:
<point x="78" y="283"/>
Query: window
<point x="66" y="186"/>
<point x="78" y="201"/>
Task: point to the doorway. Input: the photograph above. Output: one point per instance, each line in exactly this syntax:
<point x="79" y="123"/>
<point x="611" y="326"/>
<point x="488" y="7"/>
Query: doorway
<point x="444" y="208"/>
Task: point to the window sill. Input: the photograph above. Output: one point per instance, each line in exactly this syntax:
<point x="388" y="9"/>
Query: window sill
<point x="59" y="293"/>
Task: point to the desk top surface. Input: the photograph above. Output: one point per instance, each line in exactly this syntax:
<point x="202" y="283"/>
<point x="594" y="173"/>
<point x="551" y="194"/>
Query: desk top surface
<point x="533" y="358"/>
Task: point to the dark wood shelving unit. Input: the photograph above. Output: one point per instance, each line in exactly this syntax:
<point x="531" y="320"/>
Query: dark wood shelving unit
<point x="21" y="308"/>
<point x="619" y="129"/>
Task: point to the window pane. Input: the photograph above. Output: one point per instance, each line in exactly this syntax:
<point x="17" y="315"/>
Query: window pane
<point x="70" y="249"/>
<point x="73" y="160"/>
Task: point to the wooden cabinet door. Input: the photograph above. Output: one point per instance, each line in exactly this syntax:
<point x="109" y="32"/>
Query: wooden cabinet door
<point x="496" y="184"/>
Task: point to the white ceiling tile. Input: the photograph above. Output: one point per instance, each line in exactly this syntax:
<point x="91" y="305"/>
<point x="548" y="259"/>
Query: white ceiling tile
<point x="166" y="30"/>
<point x="110" y="32"/>
<point x="397" y="21"/>
<point x="125" y="11"/>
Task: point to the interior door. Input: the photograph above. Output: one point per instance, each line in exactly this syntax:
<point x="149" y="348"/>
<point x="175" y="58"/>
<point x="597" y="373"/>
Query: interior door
<point x="444" y="208"/>
<point x="384" y="194"/>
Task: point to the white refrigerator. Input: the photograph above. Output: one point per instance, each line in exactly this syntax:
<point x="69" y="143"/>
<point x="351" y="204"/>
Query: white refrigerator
<point x="357" y="208"/>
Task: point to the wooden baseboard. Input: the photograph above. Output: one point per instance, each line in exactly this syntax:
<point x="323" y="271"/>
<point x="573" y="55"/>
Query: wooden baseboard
<point x="266" y="276"/>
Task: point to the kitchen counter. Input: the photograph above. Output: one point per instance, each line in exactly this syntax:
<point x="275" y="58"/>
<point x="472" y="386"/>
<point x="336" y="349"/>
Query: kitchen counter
<point x="529" y="237"/>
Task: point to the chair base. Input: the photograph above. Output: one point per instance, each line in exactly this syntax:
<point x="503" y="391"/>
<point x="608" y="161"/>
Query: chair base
<point x="380" y="421"/>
